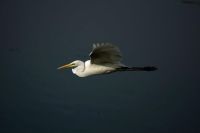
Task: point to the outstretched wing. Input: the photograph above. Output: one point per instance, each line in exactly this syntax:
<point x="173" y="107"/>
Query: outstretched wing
<point x="105" y="53"/>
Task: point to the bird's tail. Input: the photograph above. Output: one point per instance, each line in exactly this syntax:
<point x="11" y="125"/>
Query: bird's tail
<point x="146" y="68"/>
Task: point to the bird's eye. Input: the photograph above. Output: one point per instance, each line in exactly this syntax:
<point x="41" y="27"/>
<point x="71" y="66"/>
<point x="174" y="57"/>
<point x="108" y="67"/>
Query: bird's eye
<point x="73" y="64"/>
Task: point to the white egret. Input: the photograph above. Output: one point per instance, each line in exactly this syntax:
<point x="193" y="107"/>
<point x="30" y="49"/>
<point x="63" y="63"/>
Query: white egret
<point x="105" y="58"/>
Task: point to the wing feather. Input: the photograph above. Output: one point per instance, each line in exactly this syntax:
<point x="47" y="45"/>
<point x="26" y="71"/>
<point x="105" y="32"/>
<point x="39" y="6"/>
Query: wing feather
<point x="105" y="53"/>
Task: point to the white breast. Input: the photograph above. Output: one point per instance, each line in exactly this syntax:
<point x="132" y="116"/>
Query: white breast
<point x="93" y="69"/>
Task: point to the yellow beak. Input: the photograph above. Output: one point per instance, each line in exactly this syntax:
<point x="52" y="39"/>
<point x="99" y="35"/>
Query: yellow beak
<point x="65" y="66"/>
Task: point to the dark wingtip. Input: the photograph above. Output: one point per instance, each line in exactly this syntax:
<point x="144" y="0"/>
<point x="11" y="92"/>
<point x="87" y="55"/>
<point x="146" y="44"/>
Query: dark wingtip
<point x="150" y="68"/>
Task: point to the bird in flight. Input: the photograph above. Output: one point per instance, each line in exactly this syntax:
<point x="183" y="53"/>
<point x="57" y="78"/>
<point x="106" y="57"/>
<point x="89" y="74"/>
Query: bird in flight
<point x="105" y="58"/>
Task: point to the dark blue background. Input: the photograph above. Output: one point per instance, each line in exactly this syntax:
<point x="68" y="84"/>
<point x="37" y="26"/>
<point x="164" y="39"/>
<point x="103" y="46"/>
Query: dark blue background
<point x="38" y="36"/>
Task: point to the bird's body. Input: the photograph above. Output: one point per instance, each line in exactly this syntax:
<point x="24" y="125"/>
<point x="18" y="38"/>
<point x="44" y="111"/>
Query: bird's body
<point x="88" y="69"/>
<point x="105" y="58"/>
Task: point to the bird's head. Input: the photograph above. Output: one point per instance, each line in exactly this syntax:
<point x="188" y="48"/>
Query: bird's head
<point x="72" y="65"/>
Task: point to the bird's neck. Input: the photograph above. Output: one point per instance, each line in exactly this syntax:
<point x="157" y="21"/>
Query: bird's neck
<point x="79" y="69"/>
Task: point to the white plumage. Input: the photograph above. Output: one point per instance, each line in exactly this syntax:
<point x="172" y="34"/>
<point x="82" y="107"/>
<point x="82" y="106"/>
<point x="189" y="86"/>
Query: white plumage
<point x="104" y="58"/>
